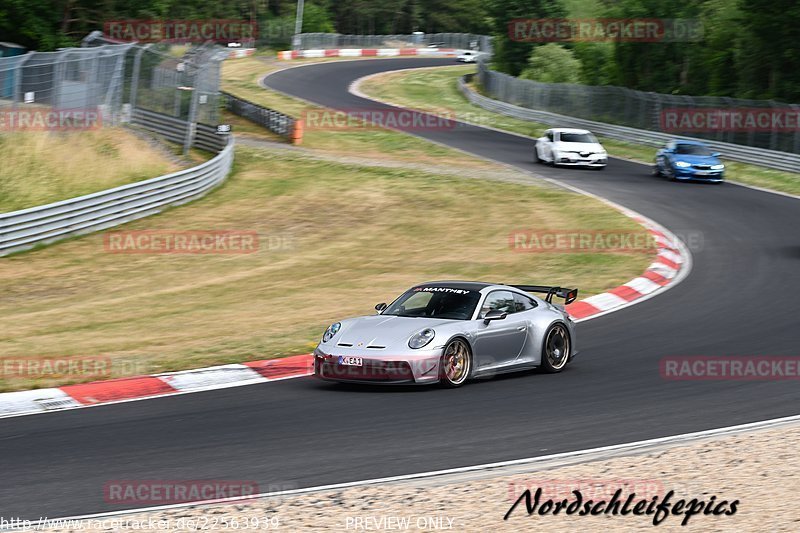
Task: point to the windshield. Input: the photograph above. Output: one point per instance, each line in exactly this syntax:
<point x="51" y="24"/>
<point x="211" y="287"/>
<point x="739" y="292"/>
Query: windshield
<point x="448" y="303"/>
<point x="577" y="138"/>
<point x="692" y="149"/>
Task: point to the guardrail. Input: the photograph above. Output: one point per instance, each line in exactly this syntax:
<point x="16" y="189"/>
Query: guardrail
<point x="735" y="152"/>
<point x="274" y="121"/>
<point x="176" y="130"/>
<point x="27" y="228"/>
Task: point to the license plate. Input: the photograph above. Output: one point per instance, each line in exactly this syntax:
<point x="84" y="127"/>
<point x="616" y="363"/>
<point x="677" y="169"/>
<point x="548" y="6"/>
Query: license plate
<point x="701" y="173"/>
<point x="351" y="361"/>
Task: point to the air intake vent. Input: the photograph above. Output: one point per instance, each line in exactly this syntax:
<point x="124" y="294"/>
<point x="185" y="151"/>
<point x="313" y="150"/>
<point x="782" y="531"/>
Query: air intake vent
<point x="346" y="344"/>
<point x="376" y="347"/>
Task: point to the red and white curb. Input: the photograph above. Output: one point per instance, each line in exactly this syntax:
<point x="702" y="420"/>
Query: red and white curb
<point x="141" y="387"/>
<point x="238" y="53"/>
<point x="669" y="266"/>
<point x="365" y="52"/>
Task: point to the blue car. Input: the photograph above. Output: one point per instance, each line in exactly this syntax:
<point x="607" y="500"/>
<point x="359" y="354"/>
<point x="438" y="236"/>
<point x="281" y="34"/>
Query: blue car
<point x="689" y="160"/>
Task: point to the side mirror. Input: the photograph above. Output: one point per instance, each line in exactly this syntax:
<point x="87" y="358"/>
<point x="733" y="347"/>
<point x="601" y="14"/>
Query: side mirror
<point x="494" y="314"/>
<point x="380" y="307"/>
<point x="715" y="154"/>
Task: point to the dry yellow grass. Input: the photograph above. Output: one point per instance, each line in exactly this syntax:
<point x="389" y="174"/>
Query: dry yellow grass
<point x="351" y="236"/>
<point x="43" y="167"/>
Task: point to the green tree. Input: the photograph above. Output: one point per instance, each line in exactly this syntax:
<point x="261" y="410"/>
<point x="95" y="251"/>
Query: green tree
<point x="552" y="63"/>
<point x="511" y="55"/>
<point x="769" y="58"/>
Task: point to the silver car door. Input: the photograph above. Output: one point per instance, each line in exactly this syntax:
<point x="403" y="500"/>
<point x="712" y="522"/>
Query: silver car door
<point x="499" y="342"/>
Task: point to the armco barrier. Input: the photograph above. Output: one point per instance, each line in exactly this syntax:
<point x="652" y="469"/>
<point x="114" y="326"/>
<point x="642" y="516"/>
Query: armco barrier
<point x="735" y="152"/>
<point x="175" y="130"/>
<point x="21" y="230"/>
<point x="274" y="121"/>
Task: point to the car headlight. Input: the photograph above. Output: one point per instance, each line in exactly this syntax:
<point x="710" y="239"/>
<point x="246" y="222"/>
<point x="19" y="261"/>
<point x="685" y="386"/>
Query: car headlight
<point x="682" y="164"/>
<point x="717" y="167"/>
<point x="332" y="330"/>
<point x="418" y="340"/>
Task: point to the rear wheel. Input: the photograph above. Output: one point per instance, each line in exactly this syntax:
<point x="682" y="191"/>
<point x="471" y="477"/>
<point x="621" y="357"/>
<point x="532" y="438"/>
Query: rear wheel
<point x="456" y="365"/>
<point x="556" y="349"/>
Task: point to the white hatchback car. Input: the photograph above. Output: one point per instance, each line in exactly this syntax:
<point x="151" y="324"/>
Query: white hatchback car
<point x="570" y="147"/>
<point x="467" y="57"/>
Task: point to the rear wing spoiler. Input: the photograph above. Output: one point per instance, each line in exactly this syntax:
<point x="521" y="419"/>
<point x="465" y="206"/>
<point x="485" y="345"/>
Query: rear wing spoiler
<point x="569" y="295"/>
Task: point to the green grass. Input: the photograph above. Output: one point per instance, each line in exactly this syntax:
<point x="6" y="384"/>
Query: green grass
<point x="351" y="236"/>
<point x="436" y="90"/>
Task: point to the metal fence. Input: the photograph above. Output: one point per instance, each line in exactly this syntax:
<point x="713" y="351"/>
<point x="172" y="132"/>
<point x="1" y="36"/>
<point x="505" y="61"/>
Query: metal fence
<point x="313" y="41"/>
<point x="22" y="230"/>
<point x="633" y="109"/>
<point x="747" y="154"/>
<point x="274" y="121"/>
<point x="117" y="80"/>
<point x="72" y="78"/>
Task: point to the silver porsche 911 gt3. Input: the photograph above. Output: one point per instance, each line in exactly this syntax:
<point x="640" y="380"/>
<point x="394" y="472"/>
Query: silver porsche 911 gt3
<point x="448" y="332"/>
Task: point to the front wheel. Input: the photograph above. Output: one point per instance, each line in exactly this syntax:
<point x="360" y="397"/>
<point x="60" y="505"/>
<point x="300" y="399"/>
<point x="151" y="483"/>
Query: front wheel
<point x="656" y="171"/>
<point x="556" y="349"/>
<point x="456" y="365"/>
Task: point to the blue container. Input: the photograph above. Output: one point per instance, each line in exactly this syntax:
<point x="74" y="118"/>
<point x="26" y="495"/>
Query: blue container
<point x="7" y="78"/>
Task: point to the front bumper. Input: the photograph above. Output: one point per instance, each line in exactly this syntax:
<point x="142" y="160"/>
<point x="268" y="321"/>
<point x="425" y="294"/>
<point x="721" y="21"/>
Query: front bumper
<point x="415" y="369"/>
<point x="699" y="175"/>
<point x="574" y="160"/>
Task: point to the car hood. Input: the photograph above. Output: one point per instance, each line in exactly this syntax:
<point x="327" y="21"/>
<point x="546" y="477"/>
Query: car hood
<point x="696" y="159"/>
<point x="383" y="330"/>
<point x="579" y="147"/>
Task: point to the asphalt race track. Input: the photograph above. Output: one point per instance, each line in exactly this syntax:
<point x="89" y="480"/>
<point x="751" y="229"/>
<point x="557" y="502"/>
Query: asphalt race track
<point x="740" y="299"/>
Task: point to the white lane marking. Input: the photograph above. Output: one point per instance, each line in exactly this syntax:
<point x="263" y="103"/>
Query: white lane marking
<point x="210" y="376"/>
<point x="671" y="256"/>
<point x="591" y="454"/>
<point x="643" y="285"/>
<point x="34" y="401"/>
<point x="662" y="270"/>
<point x="605" y="300"/>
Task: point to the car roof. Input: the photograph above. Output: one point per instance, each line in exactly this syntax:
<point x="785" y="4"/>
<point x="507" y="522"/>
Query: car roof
<point x="569" y="130"/>
<point x="455" y="284"/>
<point x="687" y="141"/>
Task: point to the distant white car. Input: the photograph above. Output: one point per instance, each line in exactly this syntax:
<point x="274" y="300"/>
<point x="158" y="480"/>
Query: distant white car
<point x="467" y="57"/>
<point x="570" y="147"/>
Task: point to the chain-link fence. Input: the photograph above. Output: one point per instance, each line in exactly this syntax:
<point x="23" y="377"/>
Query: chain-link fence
<point x="117" y="80"/>
<point x="678" y="114"/>
<point x="184" y="86"/>
<point x="72" y="78"/>
<point x="314" y="41"/>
